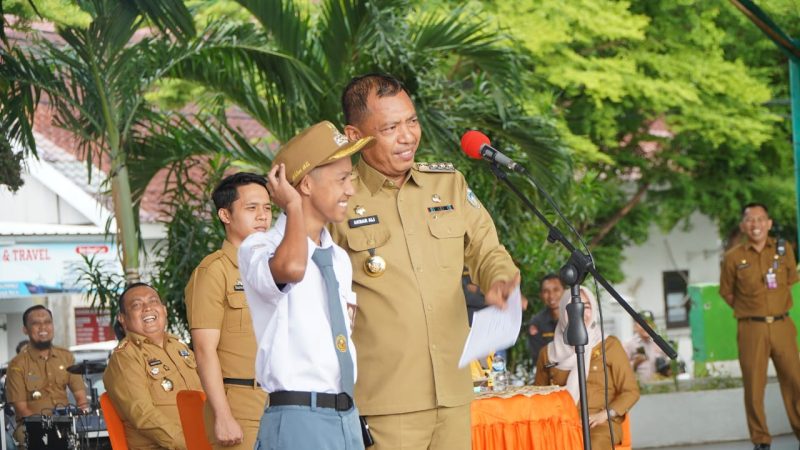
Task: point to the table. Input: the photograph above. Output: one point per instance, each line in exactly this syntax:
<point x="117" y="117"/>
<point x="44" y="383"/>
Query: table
<point x="526" y="418"/>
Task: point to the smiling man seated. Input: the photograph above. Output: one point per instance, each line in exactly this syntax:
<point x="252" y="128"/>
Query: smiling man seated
<point x="147" y="370"/>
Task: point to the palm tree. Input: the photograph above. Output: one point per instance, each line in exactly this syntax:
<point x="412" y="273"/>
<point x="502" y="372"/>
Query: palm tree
<point x="95" y="79"/>
<point x="461" y="73"/>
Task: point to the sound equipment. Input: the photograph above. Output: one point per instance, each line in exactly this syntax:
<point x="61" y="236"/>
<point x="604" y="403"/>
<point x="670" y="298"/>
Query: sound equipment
<point x="50" y="433"/>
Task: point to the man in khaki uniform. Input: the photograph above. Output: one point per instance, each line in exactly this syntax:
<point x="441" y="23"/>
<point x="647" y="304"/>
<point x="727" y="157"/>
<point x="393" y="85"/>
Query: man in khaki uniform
<point x="147" y="370"/>
<point x="756" y="281"/>
<point x="219" y="318"/>
<point x="411" y="228"/>
<point x="37" y="377"/>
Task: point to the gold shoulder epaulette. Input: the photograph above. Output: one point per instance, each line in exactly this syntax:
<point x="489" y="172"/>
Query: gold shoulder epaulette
<point x="437" y="167"/>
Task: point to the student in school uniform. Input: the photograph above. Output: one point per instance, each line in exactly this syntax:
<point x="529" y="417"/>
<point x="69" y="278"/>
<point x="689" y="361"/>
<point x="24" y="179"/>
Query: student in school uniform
<point x="298" y="284"/>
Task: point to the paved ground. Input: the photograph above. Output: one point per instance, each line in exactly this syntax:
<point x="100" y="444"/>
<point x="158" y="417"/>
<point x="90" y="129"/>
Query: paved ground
<point x="785" y="442"/>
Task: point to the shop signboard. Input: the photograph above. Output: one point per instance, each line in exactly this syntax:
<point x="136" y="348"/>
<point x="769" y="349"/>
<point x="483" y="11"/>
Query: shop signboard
<point x="38" y="268"/>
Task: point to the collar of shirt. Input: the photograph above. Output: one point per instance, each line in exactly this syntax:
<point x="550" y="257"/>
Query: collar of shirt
<point x="35" y="354"/>
<point x="769" y="244"/>
<point x="138" y="339"/>
<point x="325" y="239"/>
<point x="231" y="252"/>
<point x="374" y="180"/>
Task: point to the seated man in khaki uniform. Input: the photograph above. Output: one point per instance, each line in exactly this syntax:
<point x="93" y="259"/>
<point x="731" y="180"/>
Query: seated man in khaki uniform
<point x="147" y="370"/>
<point x="37" y="377"/>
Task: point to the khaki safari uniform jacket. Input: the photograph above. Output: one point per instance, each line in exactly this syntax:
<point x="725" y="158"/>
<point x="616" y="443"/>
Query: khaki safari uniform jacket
<point x="744" y="272"/>
<point x="215" y="299"/>
<point x="411" y="322"/>
<point x="143" y="381"/>
<point x="29" y="374"/>
<point x="623" y="390"/>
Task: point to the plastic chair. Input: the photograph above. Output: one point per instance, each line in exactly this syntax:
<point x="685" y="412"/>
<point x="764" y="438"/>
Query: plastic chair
<point x="190" y="408"/>
<point x="626" y="434"/>
<point x="116" y="431"/>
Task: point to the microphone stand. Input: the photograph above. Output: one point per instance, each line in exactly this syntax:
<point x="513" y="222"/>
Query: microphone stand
<point x="573" y="273"/>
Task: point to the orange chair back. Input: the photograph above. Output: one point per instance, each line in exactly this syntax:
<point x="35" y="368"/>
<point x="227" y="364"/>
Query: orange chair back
<point x="190" y="408"/>
<point x="626" y="434"/>
<point x="116" y="431"/>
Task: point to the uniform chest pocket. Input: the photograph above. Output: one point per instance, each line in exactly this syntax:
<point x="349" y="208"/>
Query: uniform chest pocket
<point x="237" y="314"/>
<point x="34" y="383"/>
<point x="161" y="386"/>
<point x="448" y="233"/>
<point x="363" y="239"/>
<point x="189" y="360"/>
<point x="750" y="279"/>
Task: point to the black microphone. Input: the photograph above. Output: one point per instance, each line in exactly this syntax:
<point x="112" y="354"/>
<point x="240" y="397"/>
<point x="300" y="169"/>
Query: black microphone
<point x="477" y="146"/>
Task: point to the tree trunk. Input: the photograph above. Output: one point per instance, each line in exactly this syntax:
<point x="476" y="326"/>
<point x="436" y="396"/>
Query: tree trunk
<point x="126" y="223"/>
<point x="619" y="215"/>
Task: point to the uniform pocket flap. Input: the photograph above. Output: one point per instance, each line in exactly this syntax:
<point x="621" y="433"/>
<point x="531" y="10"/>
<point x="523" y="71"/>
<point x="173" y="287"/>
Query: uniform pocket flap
<point x="365" y="238"/>
<point x="237" y="299"/>
<point x="156" y="372"/>
<point x="444" y="228"/>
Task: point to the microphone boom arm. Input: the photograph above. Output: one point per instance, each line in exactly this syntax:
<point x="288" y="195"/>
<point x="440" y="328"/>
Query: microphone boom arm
<point x="582" y="262"/>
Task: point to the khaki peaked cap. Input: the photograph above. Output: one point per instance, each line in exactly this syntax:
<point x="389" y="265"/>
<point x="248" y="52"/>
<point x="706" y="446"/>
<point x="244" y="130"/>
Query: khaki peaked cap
<point x="316" y="146"/>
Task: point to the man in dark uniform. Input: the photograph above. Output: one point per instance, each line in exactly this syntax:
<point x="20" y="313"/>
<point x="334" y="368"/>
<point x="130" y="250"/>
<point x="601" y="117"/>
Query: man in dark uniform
<point x="219" y="318"/>
<point x="756" y="280"/>
<point x="542" y="326"/>
<point x="37" y="377"/>
<point x="411" y="228"/>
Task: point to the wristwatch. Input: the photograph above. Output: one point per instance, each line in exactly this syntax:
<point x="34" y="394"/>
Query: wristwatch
<point x="612" y="413"/>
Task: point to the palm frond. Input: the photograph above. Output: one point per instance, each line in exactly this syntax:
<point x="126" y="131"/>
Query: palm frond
<point x="168" y="15"/>
<point x="287" y="26"/>
<point x="237" y="62"/>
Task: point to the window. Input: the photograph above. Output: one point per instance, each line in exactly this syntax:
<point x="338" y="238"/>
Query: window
<point x="676" y="298"/>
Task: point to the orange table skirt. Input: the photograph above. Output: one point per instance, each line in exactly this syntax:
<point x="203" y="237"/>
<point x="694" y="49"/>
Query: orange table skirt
<point x="541" y="422"/>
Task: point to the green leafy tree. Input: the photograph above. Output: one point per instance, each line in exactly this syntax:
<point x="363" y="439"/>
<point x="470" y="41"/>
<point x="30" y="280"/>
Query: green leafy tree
<point x="461" y="75"/>
<point x="94" y="81"/>
<point x="96" y="75"/>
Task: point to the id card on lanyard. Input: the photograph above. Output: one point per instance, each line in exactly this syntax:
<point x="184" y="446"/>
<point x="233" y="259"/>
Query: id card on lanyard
<point x="772" y="275"/>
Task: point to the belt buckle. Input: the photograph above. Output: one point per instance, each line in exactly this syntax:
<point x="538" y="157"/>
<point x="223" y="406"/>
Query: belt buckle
<point x="343" y="402"/>
<point x="770" y="319"/>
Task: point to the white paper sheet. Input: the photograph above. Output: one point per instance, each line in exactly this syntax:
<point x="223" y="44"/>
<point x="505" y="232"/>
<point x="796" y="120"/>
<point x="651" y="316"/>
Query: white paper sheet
<point x="493" y="329"/>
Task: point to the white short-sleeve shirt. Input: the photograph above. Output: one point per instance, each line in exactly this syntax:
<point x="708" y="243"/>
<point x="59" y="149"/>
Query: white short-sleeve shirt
<point x="296" y="350"/>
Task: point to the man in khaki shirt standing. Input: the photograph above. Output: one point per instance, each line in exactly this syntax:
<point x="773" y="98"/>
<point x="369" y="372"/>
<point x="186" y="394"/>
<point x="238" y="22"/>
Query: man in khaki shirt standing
<point x="147" y="370"/>
<point x="219" y="318"/>
<point x="756" y="281"/>
<point x="411" y="229"/>
<point x="37" y="377"/>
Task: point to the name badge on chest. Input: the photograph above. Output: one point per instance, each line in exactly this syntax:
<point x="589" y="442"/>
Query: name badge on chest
<point x="362" y="221"/>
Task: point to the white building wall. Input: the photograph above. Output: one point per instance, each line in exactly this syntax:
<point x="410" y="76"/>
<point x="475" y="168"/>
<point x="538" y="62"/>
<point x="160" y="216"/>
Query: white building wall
<point x="32" y="203"/>
<point x="36" y="203"/>
<point x="696" y="250"/>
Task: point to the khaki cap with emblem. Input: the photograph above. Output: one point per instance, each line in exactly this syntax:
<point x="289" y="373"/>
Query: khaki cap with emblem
<point x="316" y="146"/>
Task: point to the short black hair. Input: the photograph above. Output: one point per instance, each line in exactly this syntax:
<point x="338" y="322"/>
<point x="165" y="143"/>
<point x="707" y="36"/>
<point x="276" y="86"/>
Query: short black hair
<point x="550" y="276"/>
<point x="32" y="309"/>
<point x="226" y="191"/>
<point x="357" y="91"/>
<point x="121" y="299"/>
<point x="754" y="205"/>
